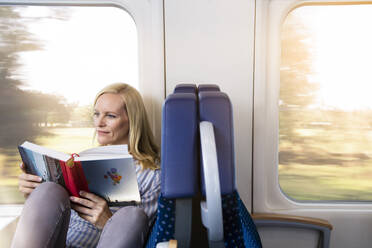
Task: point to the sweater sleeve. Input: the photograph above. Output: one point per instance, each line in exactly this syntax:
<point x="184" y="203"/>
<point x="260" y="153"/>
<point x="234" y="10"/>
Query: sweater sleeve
<point x="149" y="187"/>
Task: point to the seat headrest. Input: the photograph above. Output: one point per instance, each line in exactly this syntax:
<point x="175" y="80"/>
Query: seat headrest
<point x="215" y="107"/>
<point x="179" y="146"/>
<point x="208" y="87"/>
<point x="185" y="88"/>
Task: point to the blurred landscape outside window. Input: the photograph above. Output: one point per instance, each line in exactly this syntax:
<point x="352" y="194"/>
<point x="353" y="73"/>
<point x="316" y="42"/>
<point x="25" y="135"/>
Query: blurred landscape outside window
<point x="53" y="61"/>
<point x="325" y="106"/>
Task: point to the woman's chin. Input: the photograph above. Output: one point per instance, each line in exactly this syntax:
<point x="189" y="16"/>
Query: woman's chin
<point x="103" y="142"/>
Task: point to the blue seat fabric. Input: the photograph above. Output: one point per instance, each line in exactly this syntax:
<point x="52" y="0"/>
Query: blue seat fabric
<point x="239" y="228"/>
<point x="163" y="229"/>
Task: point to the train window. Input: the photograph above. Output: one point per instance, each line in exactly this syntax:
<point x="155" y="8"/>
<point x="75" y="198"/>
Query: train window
<point x="53" y="62"/>
<point x="325" y="107"/>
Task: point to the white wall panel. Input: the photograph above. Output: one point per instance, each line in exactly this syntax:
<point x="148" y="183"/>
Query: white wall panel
<point x="212" y="42"/>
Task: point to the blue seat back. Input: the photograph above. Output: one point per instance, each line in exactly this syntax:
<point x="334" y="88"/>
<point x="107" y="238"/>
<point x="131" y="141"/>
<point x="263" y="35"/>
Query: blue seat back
<point x="179" y="161"/>
<point x="215" y="107"/>
<point x="238" y="227"/>
<point x="179" y="146"/>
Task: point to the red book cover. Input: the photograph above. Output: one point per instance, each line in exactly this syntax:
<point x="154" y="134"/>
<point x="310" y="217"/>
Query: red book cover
<point x="70" y="183"/>
<point x="79" y="174"/>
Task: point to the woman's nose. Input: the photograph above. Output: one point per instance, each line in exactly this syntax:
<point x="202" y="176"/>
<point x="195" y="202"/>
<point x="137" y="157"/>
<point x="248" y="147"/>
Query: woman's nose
<point x="100" y="122"/>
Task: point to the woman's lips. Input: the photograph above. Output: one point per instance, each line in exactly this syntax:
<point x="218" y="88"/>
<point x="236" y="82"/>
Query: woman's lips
<point x="102" y="133"/>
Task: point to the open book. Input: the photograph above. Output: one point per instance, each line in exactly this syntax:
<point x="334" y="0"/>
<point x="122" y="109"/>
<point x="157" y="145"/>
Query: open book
<point x="107" y="171"/>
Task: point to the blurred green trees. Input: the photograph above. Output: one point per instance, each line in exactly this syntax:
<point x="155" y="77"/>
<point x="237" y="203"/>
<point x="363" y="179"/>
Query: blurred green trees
<point x="22" y="112"/>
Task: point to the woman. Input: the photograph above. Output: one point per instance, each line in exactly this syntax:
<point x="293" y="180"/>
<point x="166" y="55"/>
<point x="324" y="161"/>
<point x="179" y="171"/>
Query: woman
<point x="47" y="218"/>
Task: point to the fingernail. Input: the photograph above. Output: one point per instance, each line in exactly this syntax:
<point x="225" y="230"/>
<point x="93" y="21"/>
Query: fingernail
<point x="40" y="179"/>
<point x="81" y="192"/>
<point x="72" y="198"/>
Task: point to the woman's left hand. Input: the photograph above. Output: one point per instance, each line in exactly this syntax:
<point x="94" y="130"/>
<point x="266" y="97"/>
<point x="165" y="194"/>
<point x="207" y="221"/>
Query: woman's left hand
<point x="91" y="208"/>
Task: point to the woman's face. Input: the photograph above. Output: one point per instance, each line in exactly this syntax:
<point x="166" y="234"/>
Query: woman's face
<point x="111" y="120"/>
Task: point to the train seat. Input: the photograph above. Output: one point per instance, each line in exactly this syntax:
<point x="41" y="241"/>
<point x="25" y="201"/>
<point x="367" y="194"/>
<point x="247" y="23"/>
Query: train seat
<point x="179" y="163"/>
<point x="224" y="215"/>
<point x="228" y="222"/>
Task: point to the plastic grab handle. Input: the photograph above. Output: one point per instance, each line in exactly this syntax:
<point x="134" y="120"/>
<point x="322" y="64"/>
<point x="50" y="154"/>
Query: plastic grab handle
<point x="212" y="209"/>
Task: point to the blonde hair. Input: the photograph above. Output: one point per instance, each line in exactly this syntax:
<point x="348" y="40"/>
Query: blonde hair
<point x="141" y="140"/>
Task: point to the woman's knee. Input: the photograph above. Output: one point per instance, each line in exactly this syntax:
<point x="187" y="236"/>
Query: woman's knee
<point x="128" y="227"/>
<point x="132" y="218"/>
<point x="50" y="193"/>
<point x="132" y="214"/>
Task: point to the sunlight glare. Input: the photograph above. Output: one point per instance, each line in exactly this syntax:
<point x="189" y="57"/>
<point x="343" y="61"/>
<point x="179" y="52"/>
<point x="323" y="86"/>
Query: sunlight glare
<point x="96" y="46"/>
<point x="342" y="54"/>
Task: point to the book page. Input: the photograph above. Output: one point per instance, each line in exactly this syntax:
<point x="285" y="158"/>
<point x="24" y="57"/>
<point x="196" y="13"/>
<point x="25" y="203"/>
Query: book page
<point x="105" y="150"/>
<point x="101" y="157"/>
<point x="46" y="151"/>
<point x="113" y="179"/>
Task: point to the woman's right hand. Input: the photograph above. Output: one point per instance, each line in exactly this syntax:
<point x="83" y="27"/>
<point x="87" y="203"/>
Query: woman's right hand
<point x="27" y="182"/>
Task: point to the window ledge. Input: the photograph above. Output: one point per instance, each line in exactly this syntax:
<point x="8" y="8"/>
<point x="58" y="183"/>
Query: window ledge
<point x="9" y="213"/>
<point x="8" y="223"/>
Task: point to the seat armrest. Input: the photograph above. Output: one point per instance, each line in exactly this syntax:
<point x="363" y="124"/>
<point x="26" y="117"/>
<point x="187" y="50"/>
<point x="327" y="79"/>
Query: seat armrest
<point x="282" y="220"/>
<point x="292" y="218"/>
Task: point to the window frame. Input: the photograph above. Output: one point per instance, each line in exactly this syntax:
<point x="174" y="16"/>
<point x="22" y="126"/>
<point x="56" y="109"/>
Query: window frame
<point x="148" y="18"/>
<point x="267" y="193"/>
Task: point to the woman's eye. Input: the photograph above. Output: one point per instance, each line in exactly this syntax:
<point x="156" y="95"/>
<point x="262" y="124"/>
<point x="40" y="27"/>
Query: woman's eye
<point x="111" y="116"/>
